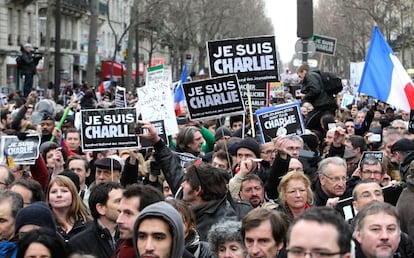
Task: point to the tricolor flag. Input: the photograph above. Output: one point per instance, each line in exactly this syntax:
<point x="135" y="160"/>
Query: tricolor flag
<point x="104" y="86"/>
<point x="384" y="77"/>
<point x="179" y="92"/>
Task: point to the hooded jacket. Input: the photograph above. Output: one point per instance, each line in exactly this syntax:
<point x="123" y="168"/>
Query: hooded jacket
<point x="169" y="214"/>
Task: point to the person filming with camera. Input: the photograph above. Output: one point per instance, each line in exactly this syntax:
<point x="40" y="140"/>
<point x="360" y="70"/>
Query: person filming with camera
<point x="26" y="64"/>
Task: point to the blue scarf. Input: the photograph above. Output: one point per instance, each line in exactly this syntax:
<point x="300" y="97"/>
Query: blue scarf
<point x="7" y="247"/>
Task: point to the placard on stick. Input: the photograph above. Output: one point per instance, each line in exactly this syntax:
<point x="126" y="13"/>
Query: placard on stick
<point x="104" y="129"/>
<point x="280" y="120"/>
<point x="213" y="98"/>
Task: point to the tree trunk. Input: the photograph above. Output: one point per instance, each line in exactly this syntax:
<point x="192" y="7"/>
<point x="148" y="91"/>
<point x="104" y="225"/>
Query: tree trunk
<point x="46" y="78"/>
<point x="130" y="47"/>
<point x="93" y="34"/>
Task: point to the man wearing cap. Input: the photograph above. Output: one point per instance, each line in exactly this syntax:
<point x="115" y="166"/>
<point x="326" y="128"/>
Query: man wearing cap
<point x="107" y="170"/>
<point x="27" y="67"/>
<point x="403" y="153"/>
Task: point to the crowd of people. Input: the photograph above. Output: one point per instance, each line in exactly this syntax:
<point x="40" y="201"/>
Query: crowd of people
<point x="236" y="197"/>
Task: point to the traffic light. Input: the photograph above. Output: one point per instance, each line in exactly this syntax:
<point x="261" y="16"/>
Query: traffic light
<point x="305" y="19"/>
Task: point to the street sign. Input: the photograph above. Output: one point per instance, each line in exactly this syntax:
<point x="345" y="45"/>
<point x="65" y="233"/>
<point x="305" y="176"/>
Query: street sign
<point x="324" y="44"/>
<point x="311" y="62"/>
<point x="299" y="47"/>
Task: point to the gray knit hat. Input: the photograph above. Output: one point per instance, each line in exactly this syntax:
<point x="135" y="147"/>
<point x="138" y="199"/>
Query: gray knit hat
<point x="222" y="232"/>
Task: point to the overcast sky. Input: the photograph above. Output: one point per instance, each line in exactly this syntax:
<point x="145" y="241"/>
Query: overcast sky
<point x="283" y="15"/>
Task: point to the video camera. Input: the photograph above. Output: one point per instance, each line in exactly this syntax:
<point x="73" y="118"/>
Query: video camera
<point x="36" y="54"/>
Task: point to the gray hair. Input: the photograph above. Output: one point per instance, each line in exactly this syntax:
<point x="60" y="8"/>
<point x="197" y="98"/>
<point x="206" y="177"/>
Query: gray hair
<point x="15" y="199"/>
<point x="322" y="166"/>
<point x="222" y="232"/>
<point x="10" y="177"/>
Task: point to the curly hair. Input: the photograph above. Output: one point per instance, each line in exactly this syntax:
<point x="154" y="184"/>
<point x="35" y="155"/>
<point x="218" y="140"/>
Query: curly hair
<point x="223" y="232"/>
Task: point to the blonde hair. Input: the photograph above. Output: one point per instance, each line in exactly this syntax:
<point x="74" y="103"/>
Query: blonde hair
<point x="77" y="210"/>
<point x="294" y="175"/>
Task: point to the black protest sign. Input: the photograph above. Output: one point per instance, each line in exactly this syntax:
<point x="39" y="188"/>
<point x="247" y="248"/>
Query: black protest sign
<point x="253" y="59"/>
<point x="104" y="129"/>
<point x="280" y="120"/>
<point x="120" y="97"/>
<point x="259" y="94"/>
<point x="375" y="154"/>
<point x="22" y="151"/>
<point x="325" y="45"/>
<point x="160" y="127"/>
<point x="185" y="158"/>
<point x="213" y="98"/>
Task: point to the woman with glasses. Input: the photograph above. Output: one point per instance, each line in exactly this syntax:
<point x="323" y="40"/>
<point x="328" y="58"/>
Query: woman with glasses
<point x="295" y="194"/>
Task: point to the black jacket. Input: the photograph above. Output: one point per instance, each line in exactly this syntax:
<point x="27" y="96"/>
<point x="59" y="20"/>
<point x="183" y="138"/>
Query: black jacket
<point x="28" y="64"/>
<point x="312" y="87"/>
<point x="94" y="240"/>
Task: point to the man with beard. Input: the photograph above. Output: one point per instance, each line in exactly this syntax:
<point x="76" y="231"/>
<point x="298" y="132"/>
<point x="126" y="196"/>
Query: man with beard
<point x="252" y="191"/>
<point x="47" y="125"/>
<point x="134" y="199"/>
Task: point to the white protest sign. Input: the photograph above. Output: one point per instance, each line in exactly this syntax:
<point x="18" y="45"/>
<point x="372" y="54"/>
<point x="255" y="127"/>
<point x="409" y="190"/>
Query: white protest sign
<point x="347" y="99"/>
<point x="280" y="120"/>
<point x="156" y="100"/>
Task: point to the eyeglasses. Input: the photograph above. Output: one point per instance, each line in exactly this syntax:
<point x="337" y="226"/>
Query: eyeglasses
<point x="336" y="179"/>
<point x="375" y="173"/>
<point x="313" y="254"/>
<point x="269" y="152"/>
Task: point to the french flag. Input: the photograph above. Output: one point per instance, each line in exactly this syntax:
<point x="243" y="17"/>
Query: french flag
<point x="104" y="86"/>
<point x="179" y="92"/>
<point x="384" y="77"/>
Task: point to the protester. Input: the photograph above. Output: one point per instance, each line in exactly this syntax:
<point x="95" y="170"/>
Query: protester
<point x="319" y="232"/>
<point x="295" y="194"/>
<point x="70" y="213"/>
<point x="225" y="240"/>
<point x="134" y="199"/>
<point x="159" y="232"/>
<point x="193" y="244"/>
<point x="10" y="204"/>
<point x="263" y="233"/>
<point x="42" y="242"/>
<point x="101" y="234"/>
<point x="313" y="92"/>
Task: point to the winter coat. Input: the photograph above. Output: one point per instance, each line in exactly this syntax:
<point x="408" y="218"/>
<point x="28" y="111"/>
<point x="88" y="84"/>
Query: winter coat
<point x="405" y="207"/>
<point x="312" y="88"/>
<point x="100" y="241"/>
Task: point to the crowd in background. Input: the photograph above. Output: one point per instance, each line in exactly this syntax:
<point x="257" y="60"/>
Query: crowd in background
<point x="98" y="202"/>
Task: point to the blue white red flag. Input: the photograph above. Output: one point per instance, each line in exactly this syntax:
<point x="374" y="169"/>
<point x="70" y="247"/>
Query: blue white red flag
<point x="179" y="92"/>
<point x="384" y="77"/>
<point x="104" y="86"/>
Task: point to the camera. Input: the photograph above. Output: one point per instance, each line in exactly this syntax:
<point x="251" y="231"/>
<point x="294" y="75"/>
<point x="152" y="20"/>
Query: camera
<point x="135" y="128"/>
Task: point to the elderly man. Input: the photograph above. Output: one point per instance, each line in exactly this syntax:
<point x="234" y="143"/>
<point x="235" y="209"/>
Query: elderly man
<point x="10" y="204"/>
<point x="332" y="181"/>
<point x="6" y="177"/>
